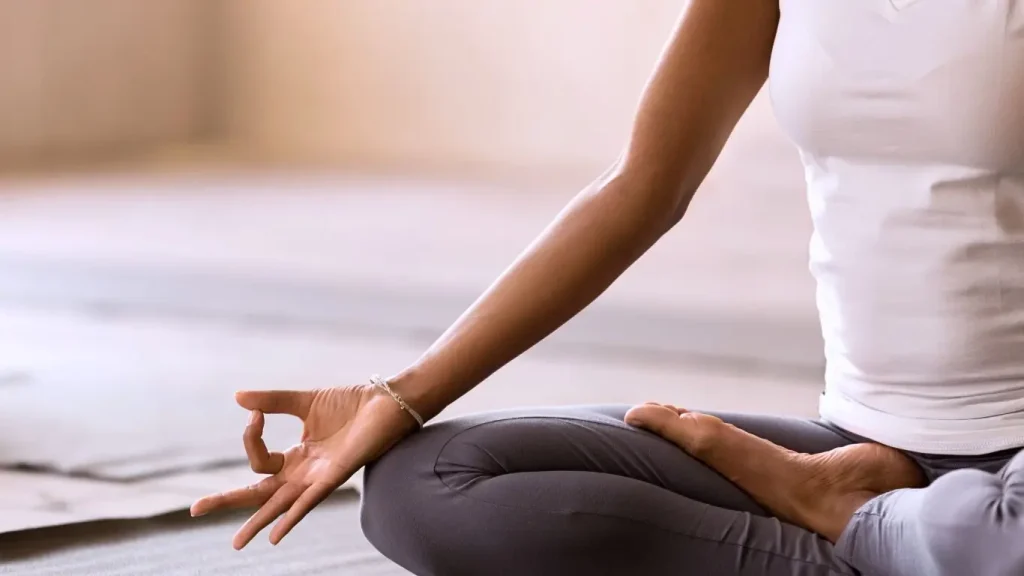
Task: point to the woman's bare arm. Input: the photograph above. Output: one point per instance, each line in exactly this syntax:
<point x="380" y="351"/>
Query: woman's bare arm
<point x="715" y="63"/>
<point x="713" y="66"/>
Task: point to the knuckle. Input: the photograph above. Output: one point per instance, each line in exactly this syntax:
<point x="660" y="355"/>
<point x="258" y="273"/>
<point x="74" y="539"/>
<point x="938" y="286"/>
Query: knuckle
<point x="266" y="464"/>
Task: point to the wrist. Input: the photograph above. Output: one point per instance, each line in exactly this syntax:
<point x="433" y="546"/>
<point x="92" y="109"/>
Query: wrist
<point x="417" y="391"/>
<point x="386" y="387"/>
<point x="384" y="407"/>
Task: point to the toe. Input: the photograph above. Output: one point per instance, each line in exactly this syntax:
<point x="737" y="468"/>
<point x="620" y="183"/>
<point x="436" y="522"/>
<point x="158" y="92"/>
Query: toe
<point x="666" y="421"/>
<point x="651" y="416"/>
<point x="692" y="431"/>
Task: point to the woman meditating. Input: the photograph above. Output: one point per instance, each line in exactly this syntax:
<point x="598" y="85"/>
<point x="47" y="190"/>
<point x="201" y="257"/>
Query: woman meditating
<point x="909" y="118"/>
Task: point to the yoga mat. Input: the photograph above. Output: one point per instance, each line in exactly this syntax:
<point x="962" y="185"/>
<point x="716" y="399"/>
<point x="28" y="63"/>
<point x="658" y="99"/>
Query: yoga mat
<point x="327" y="541"/>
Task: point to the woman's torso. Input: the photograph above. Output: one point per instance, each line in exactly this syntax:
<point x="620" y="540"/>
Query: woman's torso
<point x="909" y="115"/>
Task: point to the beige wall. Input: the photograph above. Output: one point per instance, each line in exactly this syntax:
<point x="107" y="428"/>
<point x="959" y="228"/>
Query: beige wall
<point x="526" y="85"/>
<point x="535" y="86"/>
<point x="492" y="82"/>
<point x="529" y="85"/>
<point x="497" y="84"/>
<point x="85" y="77"/>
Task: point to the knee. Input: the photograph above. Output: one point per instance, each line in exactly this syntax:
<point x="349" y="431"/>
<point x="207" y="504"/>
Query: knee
<point x="1013" y="478"/>
<point x="386" y="483"/>
<point x="973" y="518"/>
<point x="1013" y="474"/>
<point x="413" y="485"/>
<point x="439" y="490"/>
<point x="383" y="490"/>
<point x="391" y="486"/>
<point x="962" y="494"/>
<point x="404" y="503"/>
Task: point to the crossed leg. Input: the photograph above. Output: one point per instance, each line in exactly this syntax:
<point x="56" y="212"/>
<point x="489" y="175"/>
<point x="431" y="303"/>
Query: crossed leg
<point x="819" y="491"/>
<point x="578" y="491"/>
<point x="868" y="498"/>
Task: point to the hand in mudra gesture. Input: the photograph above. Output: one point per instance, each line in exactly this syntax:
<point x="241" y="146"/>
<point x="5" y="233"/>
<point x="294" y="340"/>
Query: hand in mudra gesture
<point x="344" y="429"/>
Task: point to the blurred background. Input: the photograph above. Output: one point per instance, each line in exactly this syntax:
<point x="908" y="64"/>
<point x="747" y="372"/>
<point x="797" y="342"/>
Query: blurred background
<point x="198" y="196"/>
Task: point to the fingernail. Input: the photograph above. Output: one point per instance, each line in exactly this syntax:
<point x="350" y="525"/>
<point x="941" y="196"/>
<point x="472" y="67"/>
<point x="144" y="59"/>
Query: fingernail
<point x="253" y="416"/>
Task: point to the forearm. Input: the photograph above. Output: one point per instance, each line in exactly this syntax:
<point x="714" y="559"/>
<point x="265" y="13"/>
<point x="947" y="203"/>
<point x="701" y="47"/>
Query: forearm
<point x="592" y="242"/>
<point x="712" y="67"/>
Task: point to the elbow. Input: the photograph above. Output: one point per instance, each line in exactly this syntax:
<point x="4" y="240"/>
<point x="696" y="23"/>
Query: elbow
<point x="660" y="199"/>
<point x="679" y="207"/>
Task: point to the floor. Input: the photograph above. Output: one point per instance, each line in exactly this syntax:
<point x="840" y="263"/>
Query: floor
<point x="133" y="305"/>
<point x="328" y="542"/>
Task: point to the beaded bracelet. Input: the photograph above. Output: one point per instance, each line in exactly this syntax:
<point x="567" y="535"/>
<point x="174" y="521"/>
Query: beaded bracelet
<point x="381" y="383"/>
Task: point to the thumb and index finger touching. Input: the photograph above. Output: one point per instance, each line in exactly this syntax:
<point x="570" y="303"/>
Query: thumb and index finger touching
<point x="259" y="402"/>
<point x="294" y="402"/>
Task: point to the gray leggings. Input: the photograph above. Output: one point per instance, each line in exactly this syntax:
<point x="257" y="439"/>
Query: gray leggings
<point x="567" y="491"/>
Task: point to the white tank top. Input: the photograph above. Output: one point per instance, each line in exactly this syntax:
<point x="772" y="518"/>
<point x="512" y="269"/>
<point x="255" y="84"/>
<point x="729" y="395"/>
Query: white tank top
<point x="909" y="116"/>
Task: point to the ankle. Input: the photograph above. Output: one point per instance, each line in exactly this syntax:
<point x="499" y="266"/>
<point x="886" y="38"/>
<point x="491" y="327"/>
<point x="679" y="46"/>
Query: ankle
<point x="836" y="487"/>
<point x="842" y="510"/>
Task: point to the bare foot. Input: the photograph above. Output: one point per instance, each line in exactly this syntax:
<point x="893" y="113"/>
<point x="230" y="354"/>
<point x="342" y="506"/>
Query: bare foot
<point x="819" y="492"/>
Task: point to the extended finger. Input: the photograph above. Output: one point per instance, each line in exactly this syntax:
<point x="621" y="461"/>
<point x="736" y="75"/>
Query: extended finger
<point x="294" y="402"/>
<point x="261" y="460"/>
<point x="312" y="497"/>
<point x="278" y="503"/>
<point x="247" y="497"/>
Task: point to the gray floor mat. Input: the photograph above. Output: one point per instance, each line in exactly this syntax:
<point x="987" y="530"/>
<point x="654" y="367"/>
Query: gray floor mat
<point x="716" y="340"/>
<point x="131" y="398"/>
<point x="328" y="541"/>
